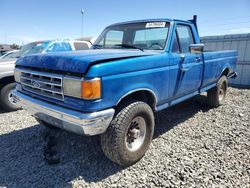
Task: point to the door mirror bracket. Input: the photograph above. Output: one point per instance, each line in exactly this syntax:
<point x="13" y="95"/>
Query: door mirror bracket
<point x="196" y="48"/>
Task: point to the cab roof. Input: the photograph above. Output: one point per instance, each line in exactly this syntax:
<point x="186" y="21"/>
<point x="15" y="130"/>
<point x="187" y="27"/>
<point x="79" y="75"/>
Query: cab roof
<point x="150" y="20"/>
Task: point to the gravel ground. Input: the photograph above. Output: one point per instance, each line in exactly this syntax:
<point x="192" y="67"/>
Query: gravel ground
<point x="193" y="146"/>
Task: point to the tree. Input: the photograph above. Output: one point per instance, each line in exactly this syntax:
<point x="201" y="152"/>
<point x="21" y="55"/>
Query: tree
<point x="14" y="46"/>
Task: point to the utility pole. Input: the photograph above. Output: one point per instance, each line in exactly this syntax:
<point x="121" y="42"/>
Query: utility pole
<point x="5" y="36"/>
<point x="82" y="12"/>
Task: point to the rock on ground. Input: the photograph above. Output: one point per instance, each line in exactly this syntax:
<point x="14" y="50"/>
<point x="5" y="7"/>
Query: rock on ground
<point x="193" y="146"/>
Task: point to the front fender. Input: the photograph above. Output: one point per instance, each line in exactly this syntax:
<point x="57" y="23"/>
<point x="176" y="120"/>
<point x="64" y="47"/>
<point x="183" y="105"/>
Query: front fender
<point x="6" y="74"/>
<point x="116" y="87"/>
<point x="122" y="77"/>
<point x="136" y="90"/>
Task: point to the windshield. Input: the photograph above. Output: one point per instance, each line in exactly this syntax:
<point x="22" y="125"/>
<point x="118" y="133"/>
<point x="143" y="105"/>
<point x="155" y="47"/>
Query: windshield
<point x="11" y="54"/>
<point x="144" y="36"/>
<point x="32" y="48"/>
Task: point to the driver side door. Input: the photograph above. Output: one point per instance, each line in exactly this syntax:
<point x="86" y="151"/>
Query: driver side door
<point x="189" y="70"/>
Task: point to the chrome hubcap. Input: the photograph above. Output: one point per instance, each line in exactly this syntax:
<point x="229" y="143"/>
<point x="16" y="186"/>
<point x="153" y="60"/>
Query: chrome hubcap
<point x="136" y="134"/>
<point x="222" y="92"/>
<point x="11" y="98"/>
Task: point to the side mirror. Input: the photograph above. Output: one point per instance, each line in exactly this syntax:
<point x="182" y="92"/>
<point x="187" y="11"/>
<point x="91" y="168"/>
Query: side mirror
<point x="196" y="48"/>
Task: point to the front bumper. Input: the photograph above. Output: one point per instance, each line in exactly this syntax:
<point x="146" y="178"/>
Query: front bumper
<point x="80" y="123"/>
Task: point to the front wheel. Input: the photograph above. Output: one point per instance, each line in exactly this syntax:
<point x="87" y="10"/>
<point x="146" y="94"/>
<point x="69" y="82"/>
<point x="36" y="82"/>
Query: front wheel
<point x="129" y="134"/>
<point x="216" y="96"/>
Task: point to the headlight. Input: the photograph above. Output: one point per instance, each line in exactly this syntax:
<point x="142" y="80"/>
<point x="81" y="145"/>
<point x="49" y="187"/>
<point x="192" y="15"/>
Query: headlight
<point x="82" y="88"/>
<point x="17" y="75"/>
<point x="72" y="87"/>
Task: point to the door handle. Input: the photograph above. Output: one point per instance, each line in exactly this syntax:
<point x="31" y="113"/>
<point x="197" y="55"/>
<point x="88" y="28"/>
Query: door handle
<point x="182" y="58"/>
<point x="197" y="59"/>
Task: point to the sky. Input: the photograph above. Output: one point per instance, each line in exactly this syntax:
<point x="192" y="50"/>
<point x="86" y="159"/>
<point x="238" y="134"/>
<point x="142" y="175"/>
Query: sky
<point x="24" y="21"/>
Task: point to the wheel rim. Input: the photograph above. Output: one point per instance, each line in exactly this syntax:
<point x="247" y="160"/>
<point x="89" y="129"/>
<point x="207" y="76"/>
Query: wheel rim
<point x="136" y="134"/>
<point x="11" y="98"/>
<point x="222" y="92"/>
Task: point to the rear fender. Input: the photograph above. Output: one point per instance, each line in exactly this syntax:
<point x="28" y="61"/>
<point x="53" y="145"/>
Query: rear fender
<point x="225" y="67"/>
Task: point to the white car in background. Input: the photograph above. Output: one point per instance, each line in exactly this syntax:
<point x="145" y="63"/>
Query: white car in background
<point x="47" y="46"/>
<point x="87" y="40"/>
<point x="80" y="45"/>
<point x="7" y="65"/>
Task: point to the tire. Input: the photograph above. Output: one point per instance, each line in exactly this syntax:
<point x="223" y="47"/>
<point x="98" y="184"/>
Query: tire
<point x="216" y="96"/>
<point x="46" y="125"/>
<point x="119" y="143"/>
<point x="6" y="100"/>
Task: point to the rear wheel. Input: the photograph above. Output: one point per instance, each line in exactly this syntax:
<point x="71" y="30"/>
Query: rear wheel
<point x="129" y="134"/>
<point x="6" y="99"/>
<point x="216" y="96"/>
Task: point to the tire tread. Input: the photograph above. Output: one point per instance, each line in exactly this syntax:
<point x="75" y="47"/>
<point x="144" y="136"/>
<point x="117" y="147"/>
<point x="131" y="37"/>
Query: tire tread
<point x="213" y="94"/>
<point x="113" y="136"/>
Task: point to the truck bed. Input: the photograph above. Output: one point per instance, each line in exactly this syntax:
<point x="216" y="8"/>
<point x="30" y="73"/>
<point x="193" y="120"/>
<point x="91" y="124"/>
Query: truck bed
<point x="214" y="62"/>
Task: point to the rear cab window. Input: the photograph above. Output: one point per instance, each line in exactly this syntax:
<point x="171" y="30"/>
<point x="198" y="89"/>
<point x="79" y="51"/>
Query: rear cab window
<point x="153" y="38"/>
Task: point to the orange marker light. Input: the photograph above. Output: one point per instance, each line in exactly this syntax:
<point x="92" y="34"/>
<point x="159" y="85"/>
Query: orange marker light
<point x="91" y="89"/>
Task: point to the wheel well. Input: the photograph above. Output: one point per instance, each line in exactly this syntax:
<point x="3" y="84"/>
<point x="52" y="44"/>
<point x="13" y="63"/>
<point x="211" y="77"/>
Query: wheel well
<point x="225" y="72"/>
<point x="143" y="95"/>
<point x="6" y="80"/>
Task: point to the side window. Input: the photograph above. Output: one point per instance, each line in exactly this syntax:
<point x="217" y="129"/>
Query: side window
<point x="185" y="37"/>
<point x="175" y="47"/>
<point x="81" y="46"/>
<point x="113" y="38"/>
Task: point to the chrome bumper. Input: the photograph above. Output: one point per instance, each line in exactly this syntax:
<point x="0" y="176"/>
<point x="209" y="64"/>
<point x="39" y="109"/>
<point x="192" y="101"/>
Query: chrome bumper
<point x="233" y="75"/>
<point x="80" y="123"/>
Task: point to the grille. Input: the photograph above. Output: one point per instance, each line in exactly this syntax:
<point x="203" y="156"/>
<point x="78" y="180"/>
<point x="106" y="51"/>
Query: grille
<point x="44" y="84"/>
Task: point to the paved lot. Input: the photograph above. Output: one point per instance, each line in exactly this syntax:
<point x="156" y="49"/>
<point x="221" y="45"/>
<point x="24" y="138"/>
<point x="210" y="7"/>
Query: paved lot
<point x="193" y="146"/>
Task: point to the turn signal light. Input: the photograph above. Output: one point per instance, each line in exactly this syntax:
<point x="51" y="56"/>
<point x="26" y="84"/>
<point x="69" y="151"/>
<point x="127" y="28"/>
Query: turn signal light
<point x="91" y="89"/>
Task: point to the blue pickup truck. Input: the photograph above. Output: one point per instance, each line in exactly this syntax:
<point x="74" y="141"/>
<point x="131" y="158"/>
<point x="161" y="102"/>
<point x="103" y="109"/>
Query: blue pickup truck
<point x="113" y="90"/>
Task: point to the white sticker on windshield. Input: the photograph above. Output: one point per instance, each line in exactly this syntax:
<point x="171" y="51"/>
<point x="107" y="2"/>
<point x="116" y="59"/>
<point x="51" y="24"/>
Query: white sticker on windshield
<point x="155" y="24"/>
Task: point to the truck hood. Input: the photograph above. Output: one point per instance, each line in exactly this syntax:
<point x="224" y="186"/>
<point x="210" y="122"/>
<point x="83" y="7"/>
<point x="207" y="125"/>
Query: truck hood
<point x="77" y="61"/>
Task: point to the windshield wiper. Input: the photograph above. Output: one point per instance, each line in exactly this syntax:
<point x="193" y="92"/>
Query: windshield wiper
<point x="97" y="46"/>
<point x="129" y="46"/>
